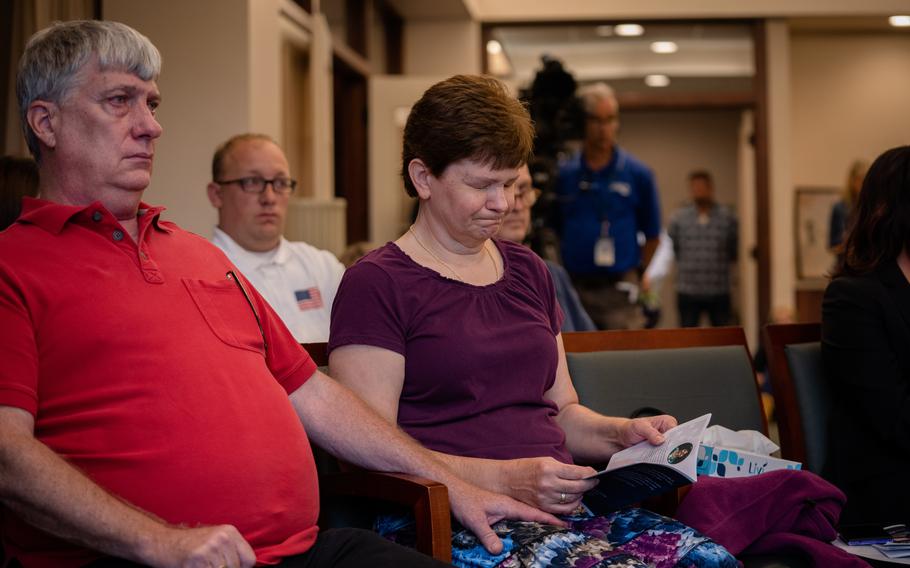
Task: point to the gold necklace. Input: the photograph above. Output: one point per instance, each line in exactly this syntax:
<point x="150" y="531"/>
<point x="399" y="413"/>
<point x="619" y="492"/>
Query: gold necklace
<point x="493" y="260"/>
<point x="445" y="264"/>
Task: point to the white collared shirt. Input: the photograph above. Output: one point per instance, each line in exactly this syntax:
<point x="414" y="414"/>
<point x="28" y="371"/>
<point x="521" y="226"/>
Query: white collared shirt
<point x="298" y="280"/>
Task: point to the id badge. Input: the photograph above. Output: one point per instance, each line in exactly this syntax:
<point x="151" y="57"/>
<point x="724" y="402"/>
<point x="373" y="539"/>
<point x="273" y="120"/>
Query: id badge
<point x="604" y="252"/>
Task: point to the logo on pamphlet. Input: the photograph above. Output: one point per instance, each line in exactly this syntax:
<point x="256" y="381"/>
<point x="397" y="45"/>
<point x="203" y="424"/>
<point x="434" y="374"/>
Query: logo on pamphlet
<point x="679" y="453"/>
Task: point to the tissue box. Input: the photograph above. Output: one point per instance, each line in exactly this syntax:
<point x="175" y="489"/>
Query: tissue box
<point x="721" y="462"/>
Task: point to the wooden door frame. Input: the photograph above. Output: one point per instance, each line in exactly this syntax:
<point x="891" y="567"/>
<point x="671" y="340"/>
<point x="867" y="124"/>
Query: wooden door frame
<point x="350" y="84"/>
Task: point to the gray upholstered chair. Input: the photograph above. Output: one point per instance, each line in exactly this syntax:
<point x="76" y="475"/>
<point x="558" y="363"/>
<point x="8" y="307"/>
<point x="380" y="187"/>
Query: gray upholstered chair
<point x="801" y="398"/>
<point x="683" y="372"/>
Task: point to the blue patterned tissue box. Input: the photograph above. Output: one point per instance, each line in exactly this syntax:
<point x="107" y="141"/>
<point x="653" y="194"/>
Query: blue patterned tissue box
<point x="721" y="462"/>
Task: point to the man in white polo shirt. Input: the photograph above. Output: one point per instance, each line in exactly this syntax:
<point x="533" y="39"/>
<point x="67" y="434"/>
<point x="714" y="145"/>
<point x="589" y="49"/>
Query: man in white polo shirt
<point x="251" y="186"/>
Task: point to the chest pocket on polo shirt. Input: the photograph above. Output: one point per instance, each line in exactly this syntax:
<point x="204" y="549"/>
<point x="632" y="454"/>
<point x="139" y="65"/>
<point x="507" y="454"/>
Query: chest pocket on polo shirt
<point x="227" y="312"/>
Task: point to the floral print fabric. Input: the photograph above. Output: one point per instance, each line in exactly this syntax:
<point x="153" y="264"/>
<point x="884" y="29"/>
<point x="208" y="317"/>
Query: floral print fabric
<point x="626" y="538"/>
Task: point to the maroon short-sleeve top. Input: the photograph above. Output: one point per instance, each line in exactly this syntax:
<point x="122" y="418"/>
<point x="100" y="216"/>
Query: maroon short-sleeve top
<point x="478" y="359"/>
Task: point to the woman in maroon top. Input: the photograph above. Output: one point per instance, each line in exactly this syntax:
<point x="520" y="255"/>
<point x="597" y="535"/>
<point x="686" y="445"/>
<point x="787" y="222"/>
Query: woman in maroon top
<point x="455" y="335"/>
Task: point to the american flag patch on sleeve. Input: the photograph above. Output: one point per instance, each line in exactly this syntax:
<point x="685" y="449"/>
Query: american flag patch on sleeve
<point x="308" y="299"/>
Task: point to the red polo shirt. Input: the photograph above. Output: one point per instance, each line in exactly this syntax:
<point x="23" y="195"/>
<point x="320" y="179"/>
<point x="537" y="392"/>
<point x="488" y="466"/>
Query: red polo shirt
<point x="145" y="368"/>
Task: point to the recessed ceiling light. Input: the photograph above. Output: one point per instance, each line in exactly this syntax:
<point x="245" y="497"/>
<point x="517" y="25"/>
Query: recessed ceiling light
<point x="899" y="21"/>
<point x="657" y="80"/>
<point x="604" y="31"/>
<point x="494" y="47"/>
<point x="629" y="30"/>
<point x="664" y="47"/>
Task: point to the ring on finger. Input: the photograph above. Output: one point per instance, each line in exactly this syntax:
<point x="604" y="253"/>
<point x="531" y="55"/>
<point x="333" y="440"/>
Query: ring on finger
<point x="562" y="498"/>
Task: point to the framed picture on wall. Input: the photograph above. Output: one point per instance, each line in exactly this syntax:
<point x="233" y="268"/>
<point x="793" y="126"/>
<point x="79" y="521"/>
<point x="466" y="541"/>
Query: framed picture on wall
<point x="812" y="221"/>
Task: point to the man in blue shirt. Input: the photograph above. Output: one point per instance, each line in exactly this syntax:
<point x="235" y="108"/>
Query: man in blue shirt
<point x="606" y="198"/>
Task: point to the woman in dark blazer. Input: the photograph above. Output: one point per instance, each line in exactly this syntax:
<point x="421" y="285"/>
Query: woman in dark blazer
<point x="866" y="349"/>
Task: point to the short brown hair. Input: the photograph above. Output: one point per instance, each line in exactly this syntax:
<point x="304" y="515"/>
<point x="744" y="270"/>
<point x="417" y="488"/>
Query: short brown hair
<point x="222" y="151"/>
<point x="466" y="116"/>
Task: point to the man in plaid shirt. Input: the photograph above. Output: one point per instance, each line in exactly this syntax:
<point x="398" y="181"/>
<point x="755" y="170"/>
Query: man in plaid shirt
<point x="705" y="242"/>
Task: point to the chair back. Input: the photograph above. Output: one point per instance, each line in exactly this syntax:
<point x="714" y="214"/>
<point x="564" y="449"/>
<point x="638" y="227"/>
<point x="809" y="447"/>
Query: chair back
<point x="801" y="398"/>
<point x="683" y="372"/>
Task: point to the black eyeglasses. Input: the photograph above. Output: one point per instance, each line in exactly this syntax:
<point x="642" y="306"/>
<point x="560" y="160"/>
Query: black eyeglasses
<point x="257" y="184"/>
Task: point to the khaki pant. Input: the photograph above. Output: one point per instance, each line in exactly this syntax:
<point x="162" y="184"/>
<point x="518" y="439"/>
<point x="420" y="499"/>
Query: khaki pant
<point x="609" y="306"/>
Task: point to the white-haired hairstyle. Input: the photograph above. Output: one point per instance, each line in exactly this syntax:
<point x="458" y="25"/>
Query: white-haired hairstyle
<point x="592" y="94"/>
<point x="54" y="56"/>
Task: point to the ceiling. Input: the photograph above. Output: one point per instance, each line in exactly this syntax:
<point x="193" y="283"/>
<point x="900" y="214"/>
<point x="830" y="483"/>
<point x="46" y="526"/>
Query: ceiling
<point x="713" y="54"/>
<point x="591" y="10"/>
<point x="858" y="24"/>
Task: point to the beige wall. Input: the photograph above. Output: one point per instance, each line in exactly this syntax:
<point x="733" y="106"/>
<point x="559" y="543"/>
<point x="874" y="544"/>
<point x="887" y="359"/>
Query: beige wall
<point x="850" y="98"/>
<point x="264" y="45"/>
<point x="205" y="98"/>
<point x="222" y="76"/>
<point x="748" y="231"/>
<point x="672" y="144"/>
<point x="780" y="184"/>
<point x="441" y="48"/>
<point x="390" y="99"/>
<point x="831" y="98"/>
<point x="322" y="150"/>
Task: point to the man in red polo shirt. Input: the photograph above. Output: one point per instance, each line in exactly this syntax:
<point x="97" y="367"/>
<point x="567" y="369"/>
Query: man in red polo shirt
<point x="153" y="408"/>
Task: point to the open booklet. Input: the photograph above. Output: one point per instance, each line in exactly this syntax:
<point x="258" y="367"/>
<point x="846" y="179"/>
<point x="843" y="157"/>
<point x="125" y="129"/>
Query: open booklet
<point x="643" y="470"/>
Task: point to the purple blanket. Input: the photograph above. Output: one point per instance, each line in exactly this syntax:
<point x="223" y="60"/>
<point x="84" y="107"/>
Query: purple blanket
<point x="783" y="511"/>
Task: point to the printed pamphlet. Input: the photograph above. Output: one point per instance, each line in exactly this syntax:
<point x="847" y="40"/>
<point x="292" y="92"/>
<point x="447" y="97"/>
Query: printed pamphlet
<point x="643" y="470"/>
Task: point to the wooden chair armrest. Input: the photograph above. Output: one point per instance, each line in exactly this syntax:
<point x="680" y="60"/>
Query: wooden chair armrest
<point x="428" y="500"/>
